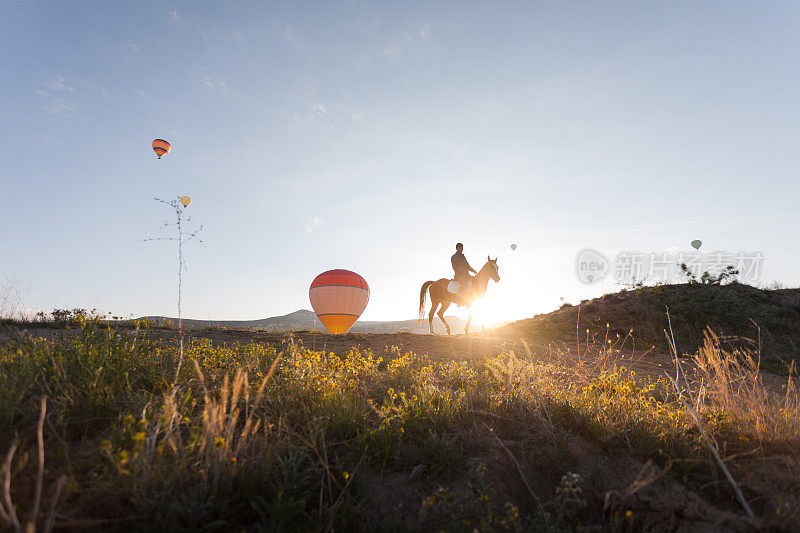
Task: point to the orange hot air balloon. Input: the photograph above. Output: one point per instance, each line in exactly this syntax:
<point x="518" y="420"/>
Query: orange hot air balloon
<point x="338" y="298"/>
<point x="161" y="147"/>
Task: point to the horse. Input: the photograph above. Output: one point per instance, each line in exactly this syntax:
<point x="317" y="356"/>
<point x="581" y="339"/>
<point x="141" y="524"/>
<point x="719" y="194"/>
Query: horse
<point x="441" y="296"/>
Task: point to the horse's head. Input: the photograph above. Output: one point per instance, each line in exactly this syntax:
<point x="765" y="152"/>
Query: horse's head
<point x="492" y="269"/>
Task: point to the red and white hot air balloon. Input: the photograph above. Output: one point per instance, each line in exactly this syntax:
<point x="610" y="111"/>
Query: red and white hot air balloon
<point x="161" y="147"/>
<point x="338" y="298"/>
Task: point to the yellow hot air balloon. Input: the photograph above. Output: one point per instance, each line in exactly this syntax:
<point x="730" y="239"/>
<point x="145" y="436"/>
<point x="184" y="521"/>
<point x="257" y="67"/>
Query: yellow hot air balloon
<point x="338" y="298"/>
<point x="185" y="200"/>
<point x="161" y="147"/>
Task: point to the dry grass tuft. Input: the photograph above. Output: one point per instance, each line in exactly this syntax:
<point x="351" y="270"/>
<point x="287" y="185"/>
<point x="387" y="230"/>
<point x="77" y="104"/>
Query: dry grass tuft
<point x="733" y="384"/>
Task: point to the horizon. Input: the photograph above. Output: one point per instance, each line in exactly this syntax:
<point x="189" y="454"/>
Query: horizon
<point x="450" y="314"/>
<point x="289" y="314"/>
<point x="373" y="137"/>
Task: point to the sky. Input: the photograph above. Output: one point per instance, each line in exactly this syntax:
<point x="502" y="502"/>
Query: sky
<point x="373" y="136"/>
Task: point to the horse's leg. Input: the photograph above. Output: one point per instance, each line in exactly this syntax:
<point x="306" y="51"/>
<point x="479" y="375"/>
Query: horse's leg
<point x="442" y="309"/>
<point x="434" y="305"/>
<point x="469" y="320"/>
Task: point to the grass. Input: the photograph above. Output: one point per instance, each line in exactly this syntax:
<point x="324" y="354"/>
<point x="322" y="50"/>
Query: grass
<point x="283" y="438"/>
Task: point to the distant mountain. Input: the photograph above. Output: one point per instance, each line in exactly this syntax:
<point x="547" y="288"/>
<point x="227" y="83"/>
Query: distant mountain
<point x="302" y="319"/>
<point x="307" y="320"/>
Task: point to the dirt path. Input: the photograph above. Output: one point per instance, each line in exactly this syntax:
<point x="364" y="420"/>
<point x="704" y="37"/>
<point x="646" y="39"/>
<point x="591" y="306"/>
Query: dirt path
<point x="435" y="346"/>
<point x="470" y="347"/>
<point x="439" y="347"/>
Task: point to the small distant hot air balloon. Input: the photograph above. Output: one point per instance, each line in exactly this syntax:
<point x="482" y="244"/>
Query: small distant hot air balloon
<point x="696" y="244"/>
<point x="513" y="246"/>
<point x="185" y="201"/>
<point x="161" y="147"/>
<point x="338" y="298"/>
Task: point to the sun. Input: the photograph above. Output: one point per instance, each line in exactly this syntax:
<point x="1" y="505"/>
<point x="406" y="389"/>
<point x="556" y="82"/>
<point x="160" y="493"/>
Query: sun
<point x="487" y="314"/>
<point x="481" y="314"/>
<point x="501" y="306"/>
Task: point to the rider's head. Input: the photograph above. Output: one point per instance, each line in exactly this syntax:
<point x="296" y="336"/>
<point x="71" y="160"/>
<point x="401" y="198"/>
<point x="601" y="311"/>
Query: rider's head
<point x="459" y="247"/>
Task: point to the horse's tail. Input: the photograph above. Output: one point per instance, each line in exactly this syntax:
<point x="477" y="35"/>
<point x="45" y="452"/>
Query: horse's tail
<point x="422" y="292"/>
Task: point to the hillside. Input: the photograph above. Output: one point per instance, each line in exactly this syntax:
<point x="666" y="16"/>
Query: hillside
<point x="736" y="311"/>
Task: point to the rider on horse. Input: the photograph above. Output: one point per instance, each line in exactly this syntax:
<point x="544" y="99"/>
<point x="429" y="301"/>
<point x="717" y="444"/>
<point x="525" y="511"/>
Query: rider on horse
<point x="442" y="298"/>
<point x="462" y="268"/>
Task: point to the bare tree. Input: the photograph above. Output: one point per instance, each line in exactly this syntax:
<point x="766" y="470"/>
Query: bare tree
<point x="182" y="236"/>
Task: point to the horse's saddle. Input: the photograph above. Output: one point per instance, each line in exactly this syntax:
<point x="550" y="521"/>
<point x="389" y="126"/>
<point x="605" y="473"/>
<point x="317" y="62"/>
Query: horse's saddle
<point x="454" y="287"/>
